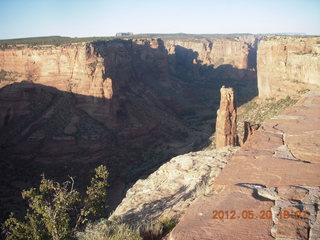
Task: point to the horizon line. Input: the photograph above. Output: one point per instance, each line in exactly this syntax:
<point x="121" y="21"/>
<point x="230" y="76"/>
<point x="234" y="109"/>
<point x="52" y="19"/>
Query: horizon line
<point x="176" y="33"/>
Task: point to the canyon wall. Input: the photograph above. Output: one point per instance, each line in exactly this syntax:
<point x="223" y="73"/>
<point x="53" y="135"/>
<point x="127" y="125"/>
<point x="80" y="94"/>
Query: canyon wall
<point x="85" y="69"/>
<point x="214" y="52"/>
<point x="101" y="74"/>
<point x="287" y="64"/>
<point x="129" y="104"/>
<point x="82" y="105"/>
<point x="219" y="58"/>
<point x="67" y="67"/>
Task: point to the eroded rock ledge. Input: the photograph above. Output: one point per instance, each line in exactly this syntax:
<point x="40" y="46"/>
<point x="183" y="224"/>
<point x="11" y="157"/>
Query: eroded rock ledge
<point x="170" y="190"/>
<point x="276" y="170"/>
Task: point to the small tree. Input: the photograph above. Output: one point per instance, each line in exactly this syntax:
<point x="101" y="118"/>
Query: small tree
<point x="56" y="211"/>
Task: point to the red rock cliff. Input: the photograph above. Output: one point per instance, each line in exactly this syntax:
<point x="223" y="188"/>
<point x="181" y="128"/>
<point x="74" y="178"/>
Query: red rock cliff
<point x="215" y="51"/>
<point x="287" y="64"/>
<point x="96" y="72"/>
<point x="123" y="103"/>
<point x="226" y="124"/>
<point x="76" y="68"/>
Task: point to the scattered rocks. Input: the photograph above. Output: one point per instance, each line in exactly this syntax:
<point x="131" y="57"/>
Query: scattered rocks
<point x="295" y="210"/>
<point x="284" y="153"/>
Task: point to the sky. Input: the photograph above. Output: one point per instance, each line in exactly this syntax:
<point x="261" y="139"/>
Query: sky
<point x="84" y="18"/>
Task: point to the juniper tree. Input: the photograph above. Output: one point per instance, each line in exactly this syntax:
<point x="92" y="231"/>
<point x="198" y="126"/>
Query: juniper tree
<point x="56" y="211"/>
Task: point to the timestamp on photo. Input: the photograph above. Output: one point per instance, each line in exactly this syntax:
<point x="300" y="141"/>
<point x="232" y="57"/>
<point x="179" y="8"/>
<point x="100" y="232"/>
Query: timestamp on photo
<point x="263" y="214"/>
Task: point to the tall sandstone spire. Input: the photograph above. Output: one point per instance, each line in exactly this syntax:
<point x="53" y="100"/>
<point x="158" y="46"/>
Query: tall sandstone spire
<point x="226" y="124"/>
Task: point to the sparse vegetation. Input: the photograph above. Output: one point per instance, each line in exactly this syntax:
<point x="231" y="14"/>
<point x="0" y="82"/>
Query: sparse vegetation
<point x="257" y="112"/>
<point x="168" y="224"/>
<point x="4" y="76"/>
<point x="56" y="211"/>
<point x="303" y="91"/>
<point x="114" y="229"/>
<point x="58" y="40"/>
<point x="202" y="189"/>
<point x="157" y="229"/>
<point x="51" y="40"/>
<point x="92" y="66"/>
<point x="59" y="212"/>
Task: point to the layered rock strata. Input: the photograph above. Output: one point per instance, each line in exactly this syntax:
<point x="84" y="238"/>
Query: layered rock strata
<point x="128" y="104"/>
<point x="226" y="123"/>
<point x="270" y="187"/>
<point x="287" y="64"/>
<point x="215" y="52"/>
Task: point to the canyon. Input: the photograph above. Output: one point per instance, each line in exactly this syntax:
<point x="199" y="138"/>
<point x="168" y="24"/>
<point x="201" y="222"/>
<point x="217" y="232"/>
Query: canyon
<point x="129" y="104"/>
<point x="133" y="104"/>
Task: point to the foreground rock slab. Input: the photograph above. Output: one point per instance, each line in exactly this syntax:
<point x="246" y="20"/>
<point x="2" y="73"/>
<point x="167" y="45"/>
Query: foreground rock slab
<point x="170" y="190"/>
<point x="270" y="187"/>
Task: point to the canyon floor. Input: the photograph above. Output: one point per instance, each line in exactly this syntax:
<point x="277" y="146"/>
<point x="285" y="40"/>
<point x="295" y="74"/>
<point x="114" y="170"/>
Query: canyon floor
<point x="270" y="187"/>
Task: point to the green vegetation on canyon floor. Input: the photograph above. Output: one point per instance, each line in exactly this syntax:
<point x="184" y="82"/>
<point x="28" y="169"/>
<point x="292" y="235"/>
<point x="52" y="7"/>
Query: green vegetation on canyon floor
<point x="7" y="76"/>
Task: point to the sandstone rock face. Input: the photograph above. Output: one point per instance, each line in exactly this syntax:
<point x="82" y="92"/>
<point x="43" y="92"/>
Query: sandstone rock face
<point x="273" y="177"/>
<point x="100" y="72"/>
<point x="215" y="52"/>
<point x="129" y="104"/>
<point x="83" y="105"/>
<point x="67" y="68"/>
<point x="213" y="58"/>
<point x="88" y="70"/>
<point x="286" y="64"/>
<point x="170" y="190"/>
<point x="249" y="129"/>
<point x="226" y="123"/>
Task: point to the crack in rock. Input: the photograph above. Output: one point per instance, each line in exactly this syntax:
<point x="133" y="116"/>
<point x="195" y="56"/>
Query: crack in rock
<point x="295" y="214"/>
<point x="283" y="152"/>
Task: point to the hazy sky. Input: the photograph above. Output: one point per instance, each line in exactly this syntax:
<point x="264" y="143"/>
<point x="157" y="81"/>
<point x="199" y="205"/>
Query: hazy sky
<point x="28" y="18"/>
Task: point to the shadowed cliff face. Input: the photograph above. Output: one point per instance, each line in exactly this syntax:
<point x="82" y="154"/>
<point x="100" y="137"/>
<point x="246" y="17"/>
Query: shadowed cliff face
<point x="129" y="104"/>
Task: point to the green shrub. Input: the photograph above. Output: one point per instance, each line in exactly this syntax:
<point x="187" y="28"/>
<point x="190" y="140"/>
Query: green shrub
<point x="56" y="211"/>
<point x="156" y="229"/>
<point x="4" y="76"/>
<point x="168" y="224"/>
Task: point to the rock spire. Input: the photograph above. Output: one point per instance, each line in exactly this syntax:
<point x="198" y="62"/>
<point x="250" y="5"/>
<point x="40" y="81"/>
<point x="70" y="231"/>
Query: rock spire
<point x="226" y="124"/>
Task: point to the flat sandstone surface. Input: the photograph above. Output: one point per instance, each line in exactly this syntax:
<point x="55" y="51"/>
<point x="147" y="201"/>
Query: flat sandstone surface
<point x="270" y="187"/>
